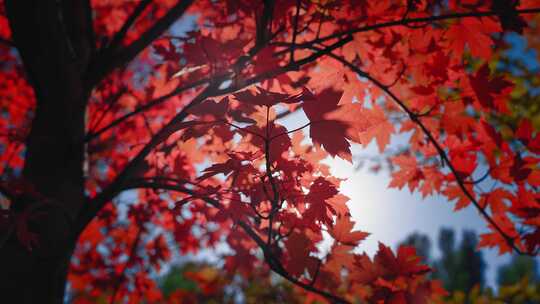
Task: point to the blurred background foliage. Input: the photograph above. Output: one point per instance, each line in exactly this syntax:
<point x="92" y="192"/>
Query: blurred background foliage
<point x="199" y="282"/>
<point x="460" y="268"/>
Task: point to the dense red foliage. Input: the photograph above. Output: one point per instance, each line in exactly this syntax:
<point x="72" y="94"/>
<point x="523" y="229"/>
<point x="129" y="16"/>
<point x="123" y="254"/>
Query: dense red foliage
<point x="194" y="125"/>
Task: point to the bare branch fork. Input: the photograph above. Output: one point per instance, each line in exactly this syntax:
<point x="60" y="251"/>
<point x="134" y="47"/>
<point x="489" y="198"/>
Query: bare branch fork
<point x="107" y="59"/>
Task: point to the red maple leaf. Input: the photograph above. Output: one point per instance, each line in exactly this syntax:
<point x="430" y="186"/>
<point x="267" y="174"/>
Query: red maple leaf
<point x="342" y="232"/>
<point x="319" y="192"/>
<point x="486" y="88"/>
<point x="329" y="133"/>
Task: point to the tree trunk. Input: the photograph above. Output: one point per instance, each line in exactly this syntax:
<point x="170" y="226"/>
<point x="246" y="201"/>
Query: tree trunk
<point x="54" y="40"/>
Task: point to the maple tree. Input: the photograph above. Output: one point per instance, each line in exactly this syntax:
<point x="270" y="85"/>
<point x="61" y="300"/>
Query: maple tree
<point x="126" y="141"/>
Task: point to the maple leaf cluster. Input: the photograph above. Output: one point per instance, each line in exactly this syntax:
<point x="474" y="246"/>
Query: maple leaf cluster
<point x="193" y="133"/>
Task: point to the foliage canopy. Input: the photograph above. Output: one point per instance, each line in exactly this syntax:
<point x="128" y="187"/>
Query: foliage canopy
<point x="101" y="97"/>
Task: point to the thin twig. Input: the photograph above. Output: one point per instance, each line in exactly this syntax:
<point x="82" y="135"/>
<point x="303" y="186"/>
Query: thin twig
<point x="406" y="21"/>
<point x="293" y="130"/>
<point x="132" y="253"/>
<point x="295" y="28"/>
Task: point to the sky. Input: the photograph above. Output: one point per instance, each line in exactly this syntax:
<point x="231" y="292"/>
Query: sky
<point x="390" y="215"/>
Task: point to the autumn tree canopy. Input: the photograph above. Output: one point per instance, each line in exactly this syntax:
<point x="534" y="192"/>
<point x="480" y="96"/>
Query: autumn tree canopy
<point x="135" y="131"/>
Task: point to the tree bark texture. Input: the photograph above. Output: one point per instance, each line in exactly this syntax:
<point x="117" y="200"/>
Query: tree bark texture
<point x="54" y="40"/>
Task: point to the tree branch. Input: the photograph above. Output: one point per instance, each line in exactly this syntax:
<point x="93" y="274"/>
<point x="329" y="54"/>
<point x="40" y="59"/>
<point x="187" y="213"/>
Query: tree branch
<point x="132" y="252"/>
<point x="119" y="36"/>
<point x="92" y="207"/>
<point x="265" y="23"/>
<point x="293" y="130"/>
<point x="108" y="59"/>
<point x="403" y="22"/>
<point x="510" y="240"/>
<point x="242" y="61"/>
<point x="295" y="29"/>
<point x="273" y="262"/>
<point x="141" y="109"/>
